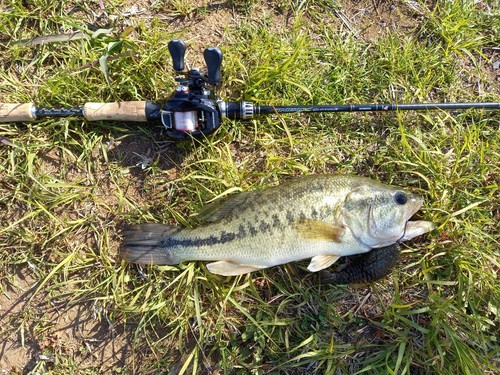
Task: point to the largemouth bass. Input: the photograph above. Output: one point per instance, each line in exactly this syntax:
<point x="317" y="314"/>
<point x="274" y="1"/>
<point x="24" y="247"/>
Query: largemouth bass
<point x="322" y="217"/>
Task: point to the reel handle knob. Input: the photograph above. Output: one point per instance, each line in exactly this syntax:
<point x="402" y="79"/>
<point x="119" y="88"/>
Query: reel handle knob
<point x="177" y="49"/>
<point x="213" y="59"/>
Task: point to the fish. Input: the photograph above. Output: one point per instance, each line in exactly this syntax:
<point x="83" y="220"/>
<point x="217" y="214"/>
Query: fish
<point x="322" y="217"/>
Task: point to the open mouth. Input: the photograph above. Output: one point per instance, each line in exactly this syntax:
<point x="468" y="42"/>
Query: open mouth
<point x="416" y="228"/>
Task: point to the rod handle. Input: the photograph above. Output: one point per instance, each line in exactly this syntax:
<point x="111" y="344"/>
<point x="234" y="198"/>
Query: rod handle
<point x="118" y="111"/>
<point x="16" y="112"/>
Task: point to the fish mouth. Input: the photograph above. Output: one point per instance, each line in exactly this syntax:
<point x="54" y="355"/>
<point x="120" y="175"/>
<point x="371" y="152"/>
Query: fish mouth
<point x="416" y="228"/>
<point x="415" y="204"/>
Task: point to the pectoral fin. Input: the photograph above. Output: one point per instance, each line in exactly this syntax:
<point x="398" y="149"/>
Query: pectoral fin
<point x="319" y="230"/>
<point x="226" y="268"/>
<point x="320" y="262"/>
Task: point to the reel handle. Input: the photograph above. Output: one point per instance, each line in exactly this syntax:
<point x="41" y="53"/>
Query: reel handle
<point x="213" y="59"/>
<point x="177" y="49"/>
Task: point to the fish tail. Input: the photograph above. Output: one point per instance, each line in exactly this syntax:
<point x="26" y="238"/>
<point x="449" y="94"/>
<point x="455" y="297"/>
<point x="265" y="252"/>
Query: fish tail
<point x="143" y="244"/>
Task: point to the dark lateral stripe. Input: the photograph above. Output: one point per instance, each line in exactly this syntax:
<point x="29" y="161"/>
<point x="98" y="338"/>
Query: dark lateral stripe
<point x="244" y="230"/>
<point x="211" y="240"/>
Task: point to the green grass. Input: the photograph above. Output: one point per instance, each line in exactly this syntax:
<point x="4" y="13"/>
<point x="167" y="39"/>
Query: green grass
<point x="68" y="187"/>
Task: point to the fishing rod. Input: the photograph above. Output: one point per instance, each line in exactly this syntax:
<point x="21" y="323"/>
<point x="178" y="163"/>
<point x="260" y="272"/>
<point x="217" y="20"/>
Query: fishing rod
<point x="194" y="110"/>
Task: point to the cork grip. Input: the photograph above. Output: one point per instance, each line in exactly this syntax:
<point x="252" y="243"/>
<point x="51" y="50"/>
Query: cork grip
<point x="16" y="112"/>
<point x="122" y="111"/>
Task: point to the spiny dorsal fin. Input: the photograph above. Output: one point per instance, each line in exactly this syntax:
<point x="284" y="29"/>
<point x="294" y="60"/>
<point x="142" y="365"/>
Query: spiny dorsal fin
<point x="320" y="262"/>
<point x="319" y="230"/>
<point x="223" y="207"/>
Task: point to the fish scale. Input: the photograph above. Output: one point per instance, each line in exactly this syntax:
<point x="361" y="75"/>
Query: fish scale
<point x="321" y="217"/>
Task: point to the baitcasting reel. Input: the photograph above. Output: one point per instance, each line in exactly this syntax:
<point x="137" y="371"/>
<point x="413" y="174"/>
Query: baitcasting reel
<point x="193" y="109"/>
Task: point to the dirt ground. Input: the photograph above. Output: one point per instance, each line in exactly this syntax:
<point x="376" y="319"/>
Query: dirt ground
<point x="75" y="331"/>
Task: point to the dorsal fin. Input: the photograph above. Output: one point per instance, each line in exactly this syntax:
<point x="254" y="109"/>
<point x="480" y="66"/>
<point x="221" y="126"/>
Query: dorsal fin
<point x="223" y="207"/>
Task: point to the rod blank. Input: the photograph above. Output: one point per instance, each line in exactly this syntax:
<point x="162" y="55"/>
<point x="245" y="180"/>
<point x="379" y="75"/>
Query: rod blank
<point x="376" y="107"/>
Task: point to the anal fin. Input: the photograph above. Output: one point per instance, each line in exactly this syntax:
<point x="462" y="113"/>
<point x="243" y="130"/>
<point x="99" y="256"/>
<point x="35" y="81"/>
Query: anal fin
<point x="320" y="262"/>
<point x="227" y="268"/>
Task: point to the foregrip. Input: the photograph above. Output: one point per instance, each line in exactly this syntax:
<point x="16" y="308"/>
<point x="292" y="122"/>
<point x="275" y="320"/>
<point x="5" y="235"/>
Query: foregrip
<point x="118" y="111"/>
<point x="16" y="112"/>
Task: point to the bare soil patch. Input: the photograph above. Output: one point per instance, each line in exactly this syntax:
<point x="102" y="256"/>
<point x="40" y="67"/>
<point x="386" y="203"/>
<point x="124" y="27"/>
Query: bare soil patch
<point x="35" y="332"/>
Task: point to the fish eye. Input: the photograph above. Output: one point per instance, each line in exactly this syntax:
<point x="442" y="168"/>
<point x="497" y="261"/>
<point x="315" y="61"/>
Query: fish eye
<point x="400" y="198"/>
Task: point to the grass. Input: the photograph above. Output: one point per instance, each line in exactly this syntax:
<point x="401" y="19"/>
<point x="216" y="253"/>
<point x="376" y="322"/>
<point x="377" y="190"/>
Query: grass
<point x="68" y="187"/>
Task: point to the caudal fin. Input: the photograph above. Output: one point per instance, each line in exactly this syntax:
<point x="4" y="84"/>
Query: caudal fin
<point x="143" y="244"/>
